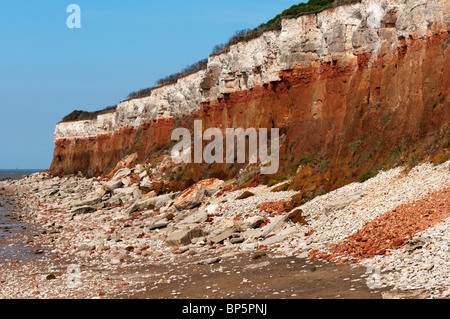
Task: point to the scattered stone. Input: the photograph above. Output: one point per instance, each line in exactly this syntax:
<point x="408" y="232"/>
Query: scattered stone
<point x="50" y="277"/>
<point x="191" y="197"/>
<point x="183" y="237"/>
<point x="257" y="266"/>
<point x="209" y="261"/>
<point x="197" y="217"/>
<point x="121" y="173"/>
<point x="245" y="195"/>
<point x="82" y="210"/>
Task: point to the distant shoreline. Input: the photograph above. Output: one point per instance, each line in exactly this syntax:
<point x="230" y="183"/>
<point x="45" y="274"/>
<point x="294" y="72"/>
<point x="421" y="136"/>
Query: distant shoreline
<point x="14" y="174"/>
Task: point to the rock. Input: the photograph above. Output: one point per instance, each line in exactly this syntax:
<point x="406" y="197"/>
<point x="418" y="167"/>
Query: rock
<point x="132" y="191"/>
<point x="274" y="224"/>
<point x="121" y="173"/>
<point x="145" y="182"/>
<point x="112" y="185"/>
<point x="254" y="222"/>
<point x="50" y="277"/>
<point x="115" y="261"/>
<point x="298" y="199"/>
<point x="82" y="210"/>
<point x="126" y="181"/>
<point x="90" y="201"/>
<point x="212" y="185"/>
<point x="191" y="197"/>
<point x="259" y="265"/>
<point x="199" y="216"/>
<point x="156" y="203"/>
<point x="209" y="261"/>
<point x="226" y="233"/>
<point x="130" y="210"/>
<point x="157" y="225"/>
<point x="341" y="203"/>
<point x="245" y="195"/>
<point x="414" y="244"/>
<point x="183" y="237"/>
<point x="297" y="217"/>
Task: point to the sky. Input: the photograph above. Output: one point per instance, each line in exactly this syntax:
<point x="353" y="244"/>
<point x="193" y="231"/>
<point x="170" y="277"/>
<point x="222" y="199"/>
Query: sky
<point x="47" y="70"/>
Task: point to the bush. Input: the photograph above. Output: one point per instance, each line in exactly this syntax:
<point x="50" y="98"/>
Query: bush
<point x="170" y="79"/>
<point x="275" y="23"/>
<point x="78" y="115"/>
<point x="365" y="176"/>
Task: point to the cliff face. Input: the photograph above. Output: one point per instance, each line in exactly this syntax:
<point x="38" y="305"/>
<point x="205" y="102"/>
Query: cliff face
<point x="353" y="88"/>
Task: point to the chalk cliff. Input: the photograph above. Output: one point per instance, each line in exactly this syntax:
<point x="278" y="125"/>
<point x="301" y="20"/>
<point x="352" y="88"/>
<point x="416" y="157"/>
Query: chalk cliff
<point x="353" y="88"/>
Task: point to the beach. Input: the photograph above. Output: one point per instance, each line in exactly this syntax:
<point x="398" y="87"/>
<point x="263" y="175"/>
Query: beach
<point x="87" y="243"/>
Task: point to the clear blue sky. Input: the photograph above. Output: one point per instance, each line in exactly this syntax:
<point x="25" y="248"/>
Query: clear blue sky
<point x="48" y="70"/>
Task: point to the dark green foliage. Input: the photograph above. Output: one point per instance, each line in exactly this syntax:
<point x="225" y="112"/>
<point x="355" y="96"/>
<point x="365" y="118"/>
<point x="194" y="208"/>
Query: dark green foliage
<point x="83" y="115"/>
<point x="170" y="79"/>
<point x="365" y="176"/>
<point x="275" y="23"/>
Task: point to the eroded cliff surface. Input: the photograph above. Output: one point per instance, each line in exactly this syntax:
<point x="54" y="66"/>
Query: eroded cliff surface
<point x="353" y="89"/>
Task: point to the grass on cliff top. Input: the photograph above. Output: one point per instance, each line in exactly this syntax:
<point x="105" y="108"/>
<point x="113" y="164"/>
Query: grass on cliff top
<point x="78" y="115"/>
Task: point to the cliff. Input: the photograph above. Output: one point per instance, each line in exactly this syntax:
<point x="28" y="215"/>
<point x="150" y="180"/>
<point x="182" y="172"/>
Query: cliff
<point x="353" y="89"/>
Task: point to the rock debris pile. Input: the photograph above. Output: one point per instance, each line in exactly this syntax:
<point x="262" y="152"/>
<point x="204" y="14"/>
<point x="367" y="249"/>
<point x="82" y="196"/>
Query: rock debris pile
<point x="398" y="221"/>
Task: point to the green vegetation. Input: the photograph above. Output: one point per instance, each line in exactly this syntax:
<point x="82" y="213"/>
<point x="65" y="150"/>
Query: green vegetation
<point x="83" y="115"/>
<point x="277" y="180"/>
<point x="441" y="158"/>
<point x="173" y="78"/>
<point x="385" y="119"/>
<point x="275" y="23"/>
<point x="301" y="162"/>
<point x="365" y="176"/>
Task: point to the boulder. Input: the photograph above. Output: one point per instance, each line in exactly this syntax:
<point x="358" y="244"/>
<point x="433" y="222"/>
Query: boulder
<point x="297" y="217"/>
<point x="212" y="185"/>
<point x="340" y="204"/>
<point x="132" y="191"/>
<point x="191" y="197"/>
<point x="199" y="216"/>
<point x="156" y="202"/>
<point x="276" y="223"/>
<point x="89" y="201"/>
<point x="158" y="224"/>
<point x="220" y="236"/>
<point x="112" y="185"/>
<point x="183" y="237"/>
<point x="82" y="210"/>
<point x="121" y="173"/>
<point x="245" y="195"/>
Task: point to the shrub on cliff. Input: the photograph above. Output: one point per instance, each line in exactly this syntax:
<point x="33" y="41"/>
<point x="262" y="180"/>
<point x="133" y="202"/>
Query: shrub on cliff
<point x="170" y="79"/>
<point x="275" y="23"/>
<point x="78" y="115"/>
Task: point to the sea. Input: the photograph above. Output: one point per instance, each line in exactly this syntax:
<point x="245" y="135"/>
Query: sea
<point x="13" y="174"/>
